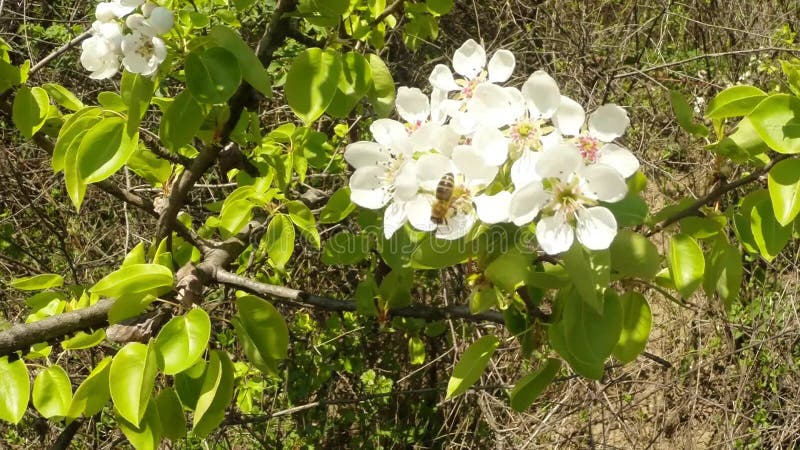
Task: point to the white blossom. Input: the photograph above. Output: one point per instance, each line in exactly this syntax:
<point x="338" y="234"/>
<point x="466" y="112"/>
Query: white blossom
<point x="142" y="54"/>
<point x="101" y="51"/>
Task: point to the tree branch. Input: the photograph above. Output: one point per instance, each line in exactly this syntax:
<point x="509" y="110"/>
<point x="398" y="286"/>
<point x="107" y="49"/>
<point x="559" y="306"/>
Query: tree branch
<point x="715" y="194"/>
<point x="46" y="60"/>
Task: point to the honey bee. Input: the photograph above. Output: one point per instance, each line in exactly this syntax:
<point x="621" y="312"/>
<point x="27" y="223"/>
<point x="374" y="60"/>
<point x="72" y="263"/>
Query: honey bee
<point x="451" y="199"/>
<point x="444" y="195"/>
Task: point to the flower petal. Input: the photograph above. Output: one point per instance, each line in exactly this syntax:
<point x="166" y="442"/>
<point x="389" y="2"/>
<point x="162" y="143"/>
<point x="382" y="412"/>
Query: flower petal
<point x="463" y="123"/>
<point x="491" y="144"/>
<point x="608" y="122"/>
<point x="619" y="158"/>
<point x="603" y="183"/>
<point x="442" y="78"/>
<point x="440" y="138"/>
<point x="469" y="161"/>
<point x="491" y="105"/>
<point x="596" y="227"/>
<point x="412" y="105"/>
<point x="569" y="117"/>
<point x="469" y="59"/>
<point x="523" y="171"/>
<point x="161" y="19"/>
<point x="365" y="153"/>
<point x="493" y="208"/>
<point x="419" y="213"/>
<point x="526" y="203"/>
<point x="560" y="161"/>
<point x="456" y="226"/>
<point x="438" y="106"/>
<point x="405" y="182"/>
<point x="501" y="66"/>
<point x="554" y="234"/>
<point x="542" y="94"/>
<point x="387" y="131"/>
<point x="394" y="217"/>
<point x="367" y="188"/>
<point x="517" y="103"/>
<point x="431" y="168"/>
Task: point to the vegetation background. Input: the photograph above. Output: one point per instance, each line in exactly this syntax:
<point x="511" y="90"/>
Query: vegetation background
<point x="717" y="380"/>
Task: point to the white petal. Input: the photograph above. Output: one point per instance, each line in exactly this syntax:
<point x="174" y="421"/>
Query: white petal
<point x="387" y="131"/>
<point x="148" y="8"/>
<point x="501" y="66"/>
<point x="442" y="78"/>
<point x="438" y="106"/>
<point x="456" y="227"/>
<point x="412" y="105"/>
<point x="596" y="227"/>
<point x="491" y="105"/>
<point x="554" y="234"/>
<point x="463" y="123"/>
<point x="493" y="208"/>
<point x="470" y="162"/>
<point x="491" y="144"/>
<point x="444" y="139"/>
<point x="523" y="171"/>
<point x="551" y="140"/>
<point x="603" y="183"/>
<point x="431" y="168"/>
<point x="608" y="122"/>
<point x="542" y="94"/>
<point x="367" y="188"/>
<point x="419" y="213"/>
<point x="560" y="161"/>
<point x="161" y="19"/>
<point x="569" y="117"/>
<point x="394" y="217"/>
<point x="365" y="153"/>
<point x="405" y="182"/>
<point x="105" y="12"/>
<point x="619" y="158"/>
<point x="517" y="103"/>
<point x="469" y="59"/>
<point x="526" y="203"/>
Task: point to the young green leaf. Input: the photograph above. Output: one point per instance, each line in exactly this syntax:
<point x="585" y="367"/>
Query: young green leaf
<point x="382" y="93"/>
<point x="724" y="272"/>
<point x="769" y="235"/>
<point x="469" y="368"/>
<point x="216" y="394"/>
<point x="312" y="82"/>
<point x="146" y="435"/>
<point x="684" y="115"/>
<point x="636" y="323"/>
<point x="416" y="351"/>
<point x="104" y="149"/>
<point x="131" y="379"/>
<point x="37" y="282"/>
<point x="686" y="263"/>
<point x="71" y="134"/>
<point x="181" y="121"/>
<point x="63" y="96"/>
<point x="29" y="110"/>
<point x="182" y="341"/>
<point x="304" y="220"/>
<point x="170" y="412"/>
<point x="52" y="392"/>
<point x="777" y="121"/>
<point x="279" y="239"/>
<point x="633" y="255"/>
<point x="252" y="70"/>
<point x="93" y="393"/>
<point x="15" y="390"/>
<point x="136" y="91"/>
<point x="264" y="325"/>
<point x="338" y="207"/>
<point x="83" y="340"/>
<point x="134" y="279"/>
<point x="784" y="190"/>
<point x="530" y="386"/>
<point x="213" y="75"/>
<point x="734" y="101"/>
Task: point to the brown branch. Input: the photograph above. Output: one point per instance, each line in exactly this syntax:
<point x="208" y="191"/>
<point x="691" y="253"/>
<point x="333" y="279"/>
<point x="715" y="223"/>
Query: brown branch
<point x="46" y="60"/>
<point x="716" y="194"/>
<point x="296" y="297"/>
<point x="391" y="9"/>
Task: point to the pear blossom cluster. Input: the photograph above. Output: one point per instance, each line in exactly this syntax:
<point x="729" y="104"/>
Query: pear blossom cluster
<point x="126" y="31"/>
<point x="476" y="150"/>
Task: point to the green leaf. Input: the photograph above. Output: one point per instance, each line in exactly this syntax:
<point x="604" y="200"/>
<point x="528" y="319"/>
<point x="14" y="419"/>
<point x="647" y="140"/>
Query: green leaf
<point x="636" y="323"/>
<point x="37" y="282"/>
<point x="146" y="435"/>
<point x="702" y="227"/>
<point x="634" y="256"/>
<point x="136" y="91"/>
<point x="354" y="82"/>
<point x="741" y="218"/>
<point x="469" y="368"/>
<point x="133" y="279"/>
<point x="112" y="101"/>
<point x="311" y="82"/>
<point x="784" y="190"/>
<point x="769" y="235"/>
<point x="213" y="75"/>
<point x="345" y="248"/>
<point x="724" y="272"/>
<point x="170" y="412"/>
<point x="590" y="277"/>
<point x="129" y="305"/>
<point x="684" y="115"/>
<point x="93" y="393"/>
<point x="790" y="69"/>
<point x="104" y="149"/>
<point x="181" y="122"/>
<point x="395" y="288"/>
<point x="439" y="7"/>
<point x="279" y="239"/>
<point x="15" y="390"/>
<point x="52" y="392"/>
<point x="429" y="253"/>
<point x="338" y="207"/>
<point x="591" y="335"/>
<point x="235" y="214"/>
<point x="188" y="384"/>
<point x="630" y="211"/>
<point x="558" y="341"/>
<point x="147" y="165"/>
<point x="530" y="386"/>
<point x="29" y="110"/>
<point x="182" y="341"/>
<point x="241" y="5"/>
<point x="82" y="340"/>
<point x="304" y="220"/>
<point x="734" y="101"/>
<point x="382" y="93"/>
<point x="72" y="131"/>
<point x="483" y="299"/>
<point x="63" y="96"/>
<point x="743" y="145"/>
<point x="131" y="379"/>
<point x="686" y="263"/>
<point x="509" y="270"/>
<point x="253" y="71"/>
<point x="777" y="121"/>
<point x="416" y="351"/>
<point x="264" y="325"/>
<point x="216" y="394"/>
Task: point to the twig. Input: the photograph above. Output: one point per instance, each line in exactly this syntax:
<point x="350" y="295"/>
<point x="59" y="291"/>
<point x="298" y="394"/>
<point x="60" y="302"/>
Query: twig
<point x="715" y="194"/>
<point x="75" y="41"/>
<point x="391" y="9"/>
